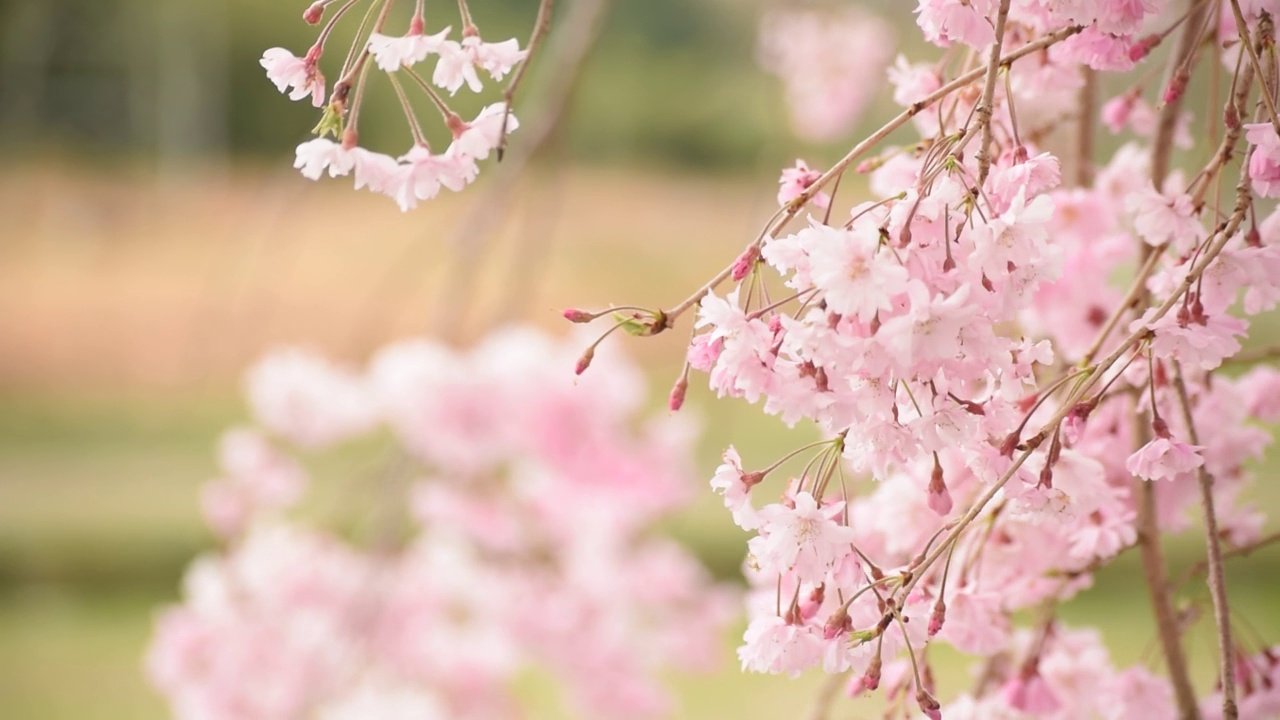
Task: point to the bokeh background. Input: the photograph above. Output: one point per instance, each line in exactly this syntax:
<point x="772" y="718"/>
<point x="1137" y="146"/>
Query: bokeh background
<point x="154" y="240"/>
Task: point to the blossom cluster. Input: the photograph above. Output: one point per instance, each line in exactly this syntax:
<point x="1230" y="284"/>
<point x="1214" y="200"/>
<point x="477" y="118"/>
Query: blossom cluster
<point x="998" y="419"/>
<point x="419" y="173"/>
<point x="525" y="544"/>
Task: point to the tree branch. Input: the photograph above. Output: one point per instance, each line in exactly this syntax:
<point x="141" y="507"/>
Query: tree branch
<point x="1217" y="578"/>
<point x="985" y="108"/>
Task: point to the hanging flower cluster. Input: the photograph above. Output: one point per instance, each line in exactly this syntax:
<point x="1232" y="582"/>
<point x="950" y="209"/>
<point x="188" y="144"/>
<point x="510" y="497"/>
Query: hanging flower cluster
<point x="526" y="544"/>
<point x="420" y="172"/>
<point x="1000" y="419"/>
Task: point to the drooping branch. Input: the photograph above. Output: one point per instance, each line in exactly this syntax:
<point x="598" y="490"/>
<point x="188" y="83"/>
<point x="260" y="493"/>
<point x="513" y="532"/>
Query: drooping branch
<point x="1217" y="578"/>
<point x="985" y="108"/>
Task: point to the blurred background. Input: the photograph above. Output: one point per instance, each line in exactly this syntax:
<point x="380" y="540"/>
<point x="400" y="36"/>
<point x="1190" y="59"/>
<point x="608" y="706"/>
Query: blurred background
<point x="155" y="241"/>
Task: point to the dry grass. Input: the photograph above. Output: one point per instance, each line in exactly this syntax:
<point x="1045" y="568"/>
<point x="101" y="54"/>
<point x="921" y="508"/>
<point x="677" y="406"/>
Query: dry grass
<point x="135" y="282"/>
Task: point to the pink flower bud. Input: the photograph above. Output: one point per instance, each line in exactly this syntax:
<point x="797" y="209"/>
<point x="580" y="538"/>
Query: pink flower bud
<point x="838" y="624"/>
<point x="1231" y="117"/>
<point x="575" y="315"/>
<point x="313" y="14"/>
<point x="1177" y="86"/>
<point x="928" y="705"/>
<point x="937" y="617"/>
<point x="745" y="262"/>
<point x="676" y="400"/>
<point x="871" y="678"/>
<point x="1143" y="47"/>
<point x="584" y="362"/>
<point x="939" y="497"/>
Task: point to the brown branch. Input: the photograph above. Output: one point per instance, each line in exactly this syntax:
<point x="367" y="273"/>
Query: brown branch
<point x="541" y="24"/>
<point x="1086" y="127"/>
<point x="1153" y="567"/>
<point x="985" y="108"/>
<point x="1217" y="578"/>
<point x="1166" y="126"/>
<point x="1243" y="29"/>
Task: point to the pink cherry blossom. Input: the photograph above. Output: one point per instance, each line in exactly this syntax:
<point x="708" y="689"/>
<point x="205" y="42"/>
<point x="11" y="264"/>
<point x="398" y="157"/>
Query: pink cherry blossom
<point x="458" y="62"/>
<point x="1264" y="161"/>
<point x="315" y="156"/>
<point x="731" y="482"/>
<point x="795" y="180"/>
<point x="289" y="71"/>
<point x="484" y="133"/>
<point x="1164" y="458"/>
<point x="392" y="53"/>
<point x="804" y="539"/>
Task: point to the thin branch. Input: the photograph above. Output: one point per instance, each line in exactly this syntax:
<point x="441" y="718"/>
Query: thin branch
<point x="1153" y="566"/>
<point x="985" y="108"/>
<point x="1086" y="127"/>
<point x="541" y="25"/>
<point x="1217" y="578"/>
<point x="1166" y="126"/>
<point x="1243" y="29"/>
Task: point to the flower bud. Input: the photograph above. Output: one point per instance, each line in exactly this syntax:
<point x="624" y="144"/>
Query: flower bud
<point x="1231" y="117"/>
<point x="584" y="362"/>
<point x="838" y="624"/>
<point x="928" y="705"/>
<point x="1177" y="85"/>
<point x="675" y="401"/>
<point x="1143" y="47"/>
<point x="575" y="315"/>
<point x="937" y="617"/>
<point x="745" y="262"/>
<point x="871" y="678"/>
<point x="313" y="14"/>
<point x="939" y="497"/>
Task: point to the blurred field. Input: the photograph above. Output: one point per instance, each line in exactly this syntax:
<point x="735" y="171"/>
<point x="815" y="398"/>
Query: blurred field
<point x="131" y="303"/>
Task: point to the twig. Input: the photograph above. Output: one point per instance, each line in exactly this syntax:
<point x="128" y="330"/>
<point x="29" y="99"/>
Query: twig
<point x="985" y="109"/>
<point x="1243" y="30"/>
<point x="1086" y="127"/>
<point x="1217" y="578"/>
<point x="1166" y="126"/>
<point x="1153" y="567"/>
<point x="540" y="26"/>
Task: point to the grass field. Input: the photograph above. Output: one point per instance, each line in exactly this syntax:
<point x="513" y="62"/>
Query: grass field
<point x="130" y="306"/>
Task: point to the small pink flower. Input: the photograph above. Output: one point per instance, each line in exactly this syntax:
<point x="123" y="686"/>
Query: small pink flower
<point x="315" y="156"/>
<point x="286" y="70"/>
<point x="393" y="53"/>
<point x="458" y="62"/>
<point x="735" y="485"/>
<point x="1264" y="162"/>
<point x="804" y="539"/>
<point x="479" y="137"/>
<point x="1164" y="458"/>
<point x="795" y="180"/>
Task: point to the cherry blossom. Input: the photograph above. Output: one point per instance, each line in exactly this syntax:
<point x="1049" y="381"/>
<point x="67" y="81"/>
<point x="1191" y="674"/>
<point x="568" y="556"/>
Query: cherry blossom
<point x="289" y="71"/>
